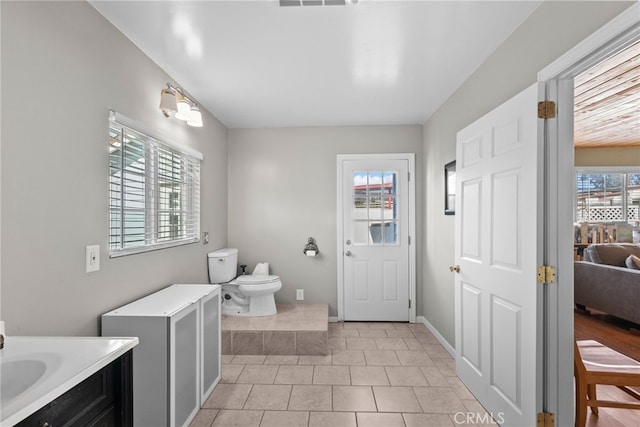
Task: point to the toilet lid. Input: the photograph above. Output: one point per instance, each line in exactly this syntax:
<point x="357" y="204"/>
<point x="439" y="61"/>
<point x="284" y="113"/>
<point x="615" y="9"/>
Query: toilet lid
<point x="256" y="280"/>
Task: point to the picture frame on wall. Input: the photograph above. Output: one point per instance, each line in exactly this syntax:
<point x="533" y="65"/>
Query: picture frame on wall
<point x="450" y="188"/>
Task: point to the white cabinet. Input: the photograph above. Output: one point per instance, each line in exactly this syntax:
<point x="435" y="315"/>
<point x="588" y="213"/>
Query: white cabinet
<point x="211" y="346"/>
<point x="177" y="363"/>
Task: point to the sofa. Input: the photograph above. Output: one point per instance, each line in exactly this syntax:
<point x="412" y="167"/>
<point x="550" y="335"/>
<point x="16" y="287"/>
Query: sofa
<point x="607" y="280"/>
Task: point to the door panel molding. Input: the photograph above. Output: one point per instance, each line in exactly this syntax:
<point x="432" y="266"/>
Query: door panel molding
<point x="471" y="346"/>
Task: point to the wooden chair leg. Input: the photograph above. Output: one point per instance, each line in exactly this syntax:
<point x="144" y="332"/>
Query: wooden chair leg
<point x="591" y="392"/>
<point x="581" y="404"/>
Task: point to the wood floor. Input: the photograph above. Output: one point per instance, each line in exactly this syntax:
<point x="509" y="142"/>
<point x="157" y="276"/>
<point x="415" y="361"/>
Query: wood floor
<point x="613" y="333"/>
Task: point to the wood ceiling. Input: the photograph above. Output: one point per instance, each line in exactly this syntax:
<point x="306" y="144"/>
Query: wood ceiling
<point x="607" y="102"/>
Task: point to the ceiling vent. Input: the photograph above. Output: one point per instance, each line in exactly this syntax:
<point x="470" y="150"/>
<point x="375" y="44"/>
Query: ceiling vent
<point x="313" y="3"/>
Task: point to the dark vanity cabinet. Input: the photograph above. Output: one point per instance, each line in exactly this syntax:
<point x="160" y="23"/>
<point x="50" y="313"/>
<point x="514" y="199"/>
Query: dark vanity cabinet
<point x="105" y="399"/>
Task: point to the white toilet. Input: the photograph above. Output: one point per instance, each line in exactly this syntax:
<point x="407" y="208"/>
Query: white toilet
<point x="245" y="295"/>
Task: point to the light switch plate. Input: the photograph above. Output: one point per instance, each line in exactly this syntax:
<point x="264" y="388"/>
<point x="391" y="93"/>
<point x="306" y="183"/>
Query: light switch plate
<point x="92" y="258"/>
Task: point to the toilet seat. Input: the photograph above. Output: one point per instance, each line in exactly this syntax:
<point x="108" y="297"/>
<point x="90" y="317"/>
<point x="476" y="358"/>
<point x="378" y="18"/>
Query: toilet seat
<point x="256" y="280"/>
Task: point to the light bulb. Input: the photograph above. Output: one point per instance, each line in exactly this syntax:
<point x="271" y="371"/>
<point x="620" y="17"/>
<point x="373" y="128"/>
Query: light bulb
<point x="183" y="106"/>
<point x="195" y="118"/>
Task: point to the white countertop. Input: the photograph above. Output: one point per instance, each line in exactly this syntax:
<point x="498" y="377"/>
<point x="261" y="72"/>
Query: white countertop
<point x="58" y="364"/>
<point x="165" y="302"/>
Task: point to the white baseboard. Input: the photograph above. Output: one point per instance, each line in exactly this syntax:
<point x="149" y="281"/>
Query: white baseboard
<point x="434" y="331"/>
<point x="333" y="319"/>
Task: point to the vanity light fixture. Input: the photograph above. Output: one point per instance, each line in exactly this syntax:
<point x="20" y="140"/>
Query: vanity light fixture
<point x="167" y="102"/>
<point x="173" y="100"/>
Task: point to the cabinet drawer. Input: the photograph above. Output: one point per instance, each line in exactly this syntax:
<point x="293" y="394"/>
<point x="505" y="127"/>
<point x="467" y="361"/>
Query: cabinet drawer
<point x="95" y="401"/>
<point x="107" y="418"/>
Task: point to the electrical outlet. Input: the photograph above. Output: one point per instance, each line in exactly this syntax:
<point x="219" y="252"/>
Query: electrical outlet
<point x="92" y="258"/>
<point x="205" y="238"/>
<point x="299" y="294"/>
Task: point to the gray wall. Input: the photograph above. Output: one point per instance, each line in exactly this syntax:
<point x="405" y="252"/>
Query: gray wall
<point x="63" y="66"/>
<point x="1" y="165"/>
<point x="282" y="190"/>
<point x="553" y="29"/>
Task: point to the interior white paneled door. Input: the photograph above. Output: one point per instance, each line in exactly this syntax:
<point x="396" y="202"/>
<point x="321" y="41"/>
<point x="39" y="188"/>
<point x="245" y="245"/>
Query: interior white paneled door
<point x="375" y="239"/>
<point x="498" y="247"/>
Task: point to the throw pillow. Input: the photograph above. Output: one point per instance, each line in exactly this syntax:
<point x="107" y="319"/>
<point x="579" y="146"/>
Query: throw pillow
<point x="612" y="253"/>
<point x="633" y="262"/>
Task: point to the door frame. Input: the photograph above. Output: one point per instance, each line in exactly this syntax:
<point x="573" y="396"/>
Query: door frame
<point x="559" y="194"/>
<point x="410" y="157"/>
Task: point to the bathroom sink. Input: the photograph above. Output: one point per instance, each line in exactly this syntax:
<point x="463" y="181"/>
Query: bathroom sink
<point x="21" y="375"/>
<point x="16" y="376"/>
<point x="35" y="371"/>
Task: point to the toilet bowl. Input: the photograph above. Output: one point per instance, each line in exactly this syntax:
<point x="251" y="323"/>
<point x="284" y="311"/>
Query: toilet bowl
<point x="251" y="295"/>
<point x="246" y="295"/>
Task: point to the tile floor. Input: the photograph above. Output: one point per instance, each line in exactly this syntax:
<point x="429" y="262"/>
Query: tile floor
<point x="377" y="374"/>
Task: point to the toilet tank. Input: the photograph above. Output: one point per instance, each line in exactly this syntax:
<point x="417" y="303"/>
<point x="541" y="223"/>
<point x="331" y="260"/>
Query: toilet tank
<point x="223" y="265"/>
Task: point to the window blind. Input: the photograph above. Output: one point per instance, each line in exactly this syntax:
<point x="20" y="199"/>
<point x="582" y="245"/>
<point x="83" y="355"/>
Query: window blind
<point x="604" y="195"/>
<point x="154" y="191"/>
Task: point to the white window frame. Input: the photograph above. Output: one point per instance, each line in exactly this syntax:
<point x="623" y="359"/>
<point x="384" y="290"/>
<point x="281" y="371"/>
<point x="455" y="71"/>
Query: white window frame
<point x="154" y="148"/>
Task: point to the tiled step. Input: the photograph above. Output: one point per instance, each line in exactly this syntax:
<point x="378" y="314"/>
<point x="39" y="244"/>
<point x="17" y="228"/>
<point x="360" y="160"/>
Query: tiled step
<point x="297" y="329"/>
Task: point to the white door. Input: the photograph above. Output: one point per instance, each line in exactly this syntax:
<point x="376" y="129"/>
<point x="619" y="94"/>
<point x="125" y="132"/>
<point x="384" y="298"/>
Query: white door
<point x="498" y="247"/>
<point x="375" y="239"/>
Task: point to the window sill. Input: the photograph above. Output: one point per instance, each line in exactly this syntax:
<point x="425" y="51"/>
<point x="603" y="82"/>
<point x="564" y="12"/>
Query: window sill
<point x="142" y="249"/>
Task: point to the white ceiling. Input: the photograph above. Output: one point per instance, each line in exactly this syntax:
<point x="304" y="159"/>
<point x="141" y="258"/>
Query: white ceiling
<point x="255" y="64"/>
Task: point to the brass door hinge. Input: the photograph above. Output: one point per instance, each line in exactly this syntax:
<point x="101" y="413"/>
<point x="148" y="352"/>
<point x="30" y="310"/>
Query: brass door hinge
<point x="546" y="274"/>
<point x="546" y="419"/>
<point x="546" y="110"/>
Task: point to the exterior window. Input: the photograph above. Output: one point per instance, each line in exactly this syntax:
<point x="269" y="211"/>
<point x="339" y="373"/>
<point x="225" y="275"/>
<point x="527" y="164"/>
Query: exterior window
<point x="607" y="206"/>
<point x="375" y="217"/>
<point x="154" y="190"/>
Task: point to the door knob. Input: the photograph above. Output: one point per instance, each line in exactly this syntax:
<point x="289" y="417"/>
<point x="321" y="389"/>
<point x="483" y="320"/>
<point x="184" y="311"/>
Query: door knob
<point x="348" y="253"/>
<point x="455" y="268"/>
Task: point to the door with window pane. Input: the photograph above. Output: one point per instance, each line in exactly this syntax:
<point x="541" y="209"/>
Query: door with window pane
<point x="376" y="240"/>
